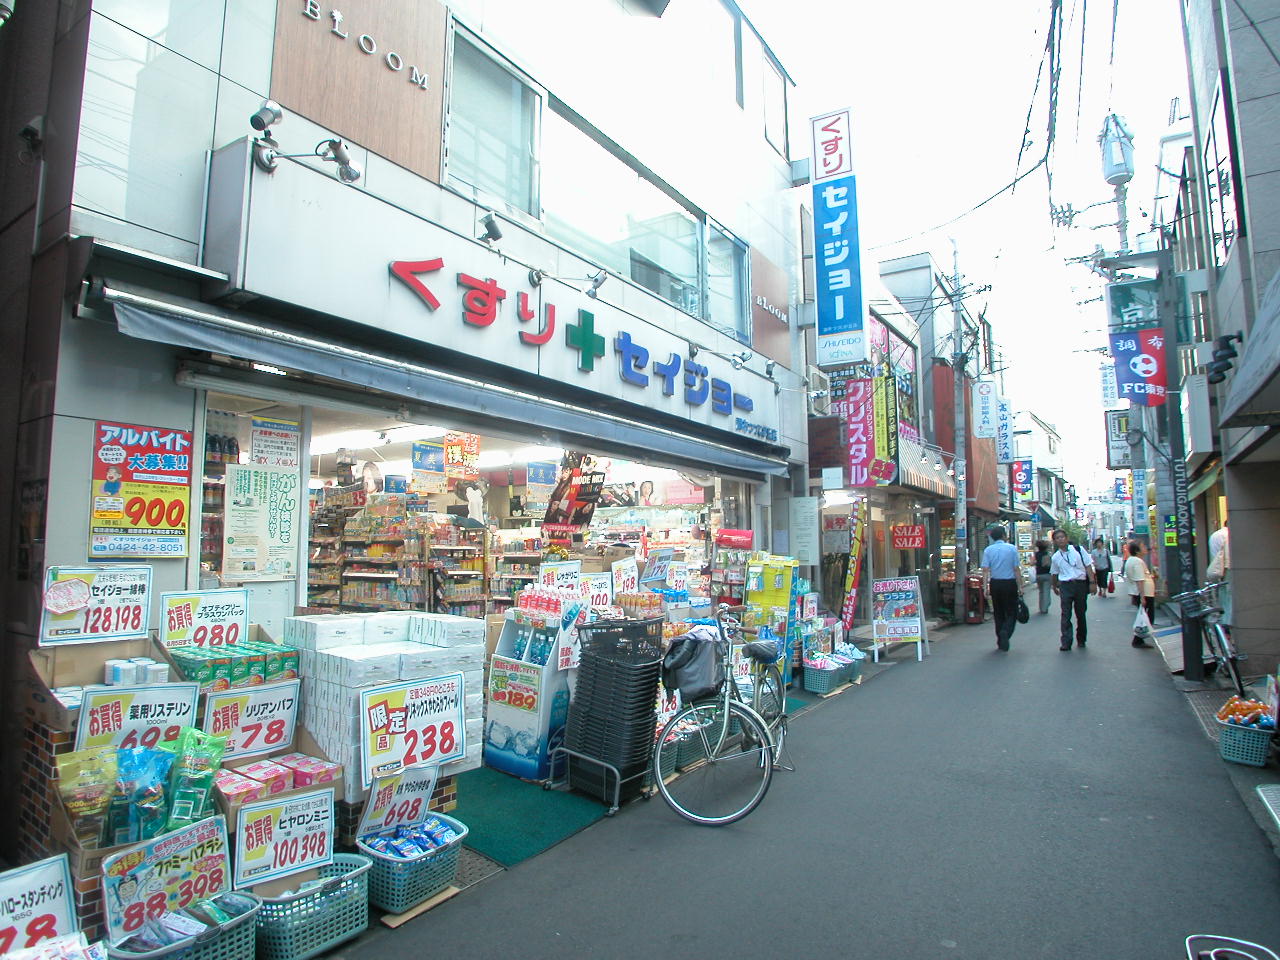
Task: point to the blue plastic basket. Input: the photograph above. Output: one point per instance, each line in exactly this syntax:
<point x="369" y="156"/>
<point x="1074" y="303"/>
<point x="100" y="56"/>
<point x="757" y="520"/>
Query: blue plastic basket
<point x="1247" y="745"/>
<point x="233" y="940"/>
<point x="397" y="884"/>
<point x="823" y="679"/>
<point x="307" y="924"/>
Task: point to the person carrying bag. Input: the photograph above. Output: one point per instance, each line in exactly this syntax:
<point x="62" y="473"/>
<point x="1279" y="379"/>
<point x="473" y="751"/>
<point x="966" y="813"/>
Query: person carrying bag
<point x="1102" y="567"/>
<point x="1141" y="586"/>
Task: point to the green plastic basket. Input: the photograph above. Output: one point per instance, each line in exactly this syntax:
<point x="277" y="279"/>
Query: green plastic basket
<point x="307" y="924"/>
<point x="233" y="940"/>
<point x="1247" y="745"/>
<point x="397" y="884"/>
<point x="823" y="679"/>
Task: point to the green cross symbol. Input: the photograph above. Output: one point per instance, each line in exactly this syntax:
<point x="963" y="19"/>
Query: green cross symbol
<point x="582" y="337"/>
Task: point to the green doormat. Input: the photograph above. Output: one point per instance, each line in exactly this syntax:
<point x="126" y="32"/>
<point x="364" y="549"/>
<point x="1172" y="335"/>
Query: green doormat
<point x="511" y="820"/>
<point x="798" y="705"/>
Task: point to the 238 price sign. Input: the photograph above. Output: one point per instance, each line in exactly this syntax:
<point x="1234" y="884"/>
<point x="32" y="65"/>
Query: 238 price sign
<point x="414" y="721"/>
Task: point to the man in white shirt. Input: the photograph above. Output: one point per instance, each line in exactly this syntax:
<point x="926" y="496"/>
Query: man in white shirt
<point x="1003" y="576"/>
<point x="1071" y="570"/>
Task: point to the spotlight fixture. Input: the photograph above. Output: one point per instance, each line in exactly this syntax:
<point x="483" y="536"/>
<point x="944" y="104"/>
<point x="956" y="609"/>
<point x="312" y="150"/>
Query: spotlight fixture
<point x="769" y="367"/>
<point x="266" y="151"/>
<point x="693" y="350"/>
<point x="740" y="359"/>
<point x="597" y="281"/>
<point x="267" y="116"/>
<point x="492" y="230"/>
<point x="1223" y="356"/>
<point x="6" y="10"/>
<point x="817" y="394"/>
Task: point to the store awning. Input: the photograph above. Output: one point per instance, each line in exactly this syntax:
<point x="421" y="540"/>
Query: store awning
<point x="200" y="326"/>
<point x="1204" y="482"/>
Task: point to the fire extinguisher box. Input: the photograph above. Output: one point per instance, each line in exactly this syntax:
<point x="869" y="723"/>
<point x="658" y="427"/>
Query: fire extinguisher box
<point x="528" y="702"/>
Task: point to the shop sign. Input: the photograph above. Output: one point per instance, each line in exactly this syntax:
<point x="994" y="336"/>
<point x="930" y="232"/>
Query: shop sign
<point x="1023" y="480"/>
<point x="598" y="588"/>
<point x="1140" y="523"/>
<point x="85" y="604"/>
<point x="1133" y="303"/>
<point x="164" y="874"/>
<point x="135" y="715"/>
<point x="276" y="838"/>
<point x="561" y="575"/>
<point x="540" y="483"/>
<point x="804" y="529"/>
<point x="1004" y="430"/>
<point x="275" y="443"/>
<point x="205" y="618"/>
<point x="1119" y="453"/>
<point x="896" y="610"/>
<point x="141" y="497"/>
<point x="428" y="468"/>
<point x="841" y="326"/>
<point x="1110" y="389"/>
<point x="461" y="452"/>
<point x="35" y="904"/>
<point x="1170" y="530"/>
<point x="400" y="799"/>
<point x="984" y="409"/>
<point x="908" y="536"/>
<point x="514" y="683"/>
<point x="261" y="523"/>
<point x="853" y="572"/>
<point x="626" y="575"/>
<point x="866" y="469"/>
<point x="255" y="721"/>
<point x="414" y="721"/>
<point x="1140" y="365"/>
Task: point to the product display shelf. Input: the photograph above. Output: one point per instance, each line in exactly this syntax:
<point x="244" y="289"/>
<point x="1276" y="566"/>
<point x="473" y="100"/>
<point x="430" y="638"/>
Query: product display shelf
<point x="324" y="558"/>
<point x="512" y="570"/>
<point x="457" y="561"/>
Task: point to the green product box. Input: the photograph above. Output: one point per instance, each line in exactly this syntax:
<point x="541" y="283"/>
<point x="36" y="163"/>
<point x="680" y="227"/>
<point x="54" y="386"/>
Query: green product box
<point x="194" y="664"/>
<point x="290" y="663"/>
<point x="273" y="664"/>
<point x="220" y="663"/>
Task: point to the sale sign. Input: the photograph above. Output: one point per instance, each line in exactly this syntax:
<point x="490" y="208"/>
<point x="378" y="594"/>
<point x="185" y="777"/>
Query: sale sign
<point x="167" y="873"/>
<point x="461" y="451"/>
<point x="257" y="720"/>
<point x="626" y="576"/>
<point x="85" y="604"/>
<point x="908" y="536"/>
<point x="129" y="716"/>
<point x="35" y="904"/>
<point x="205" y="618"/>
<point x="514" y="683"/>
<point x="141" y="494"/>
<point x="678" y="576"/>
<point x="413" y="721"/>
<point x="561" y="574"/>
<point x="401" y="798"/>
<point x="657" y="566"/>
<point x="598" y="589"/>
<point x="276" y="838"/>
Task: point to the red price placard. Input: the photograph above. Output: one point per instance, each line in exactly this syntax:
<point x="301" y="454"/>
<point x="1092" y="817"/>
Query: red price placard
<point x="414" y="721"/>
<point x="135" y="715"/>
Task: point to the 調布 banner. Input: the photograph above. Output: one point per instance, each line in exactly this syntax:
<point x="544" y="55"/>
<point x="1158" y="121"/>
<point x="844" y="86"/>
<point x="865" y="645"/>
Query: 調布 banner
<point x="141" y="492"/>
<point x="1141" y="368"/>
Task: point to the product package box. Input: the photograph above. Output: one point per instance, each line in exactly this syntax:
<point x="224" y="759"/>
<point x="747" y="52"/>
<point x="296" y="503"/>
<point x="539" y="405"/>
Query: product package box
<point x="527" y="706"/>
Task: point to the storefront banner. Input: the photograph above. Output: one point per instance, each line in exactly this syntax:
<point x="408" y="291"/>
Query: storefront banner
<point x="257" y="720"/>
<point x="984" y="409"/>
<point x="35" y="904"/>
<point x="854" y="571"/>
<point x="261" y="523"/>
<point x="860" y="409"/>
<point x="1122" y="492"/>
<point x="1004" y="430"/>
<point x="164" y="874"/>
<point x="657" y="566"/>
<point x="400" y="799"/>
<point x="1119" y="453"/>
<point x="540" y="483"/>
<point x="805" y="529"/>
<point x="1133" y="303"/>
<point x="86" y="604"/>
<point x="514" y="683"/>
<point x="275" y="443"/>
<point x="1023" y="480"/>
<point x="141" y="497"/>
<point x="428" y="468"/>
<point x="414" y="721"/>
<point x="1140" y="365"/>
<point x="626" y="576"/>
<point x="461" y="451"/>
<point x="897" y="613"/>
<point x="1140" y="503"/>
<point x="908" y="536"/>
<point x="841" y="326"/>
<point x="681" y="492"/>
<point x="276" y="838"/>
<point x="885" y="394"/>
<point x="205" y="618"/>
<point x="561" y="575"/>
<point x="835" y="534"/>
<point x="135" y="715"/>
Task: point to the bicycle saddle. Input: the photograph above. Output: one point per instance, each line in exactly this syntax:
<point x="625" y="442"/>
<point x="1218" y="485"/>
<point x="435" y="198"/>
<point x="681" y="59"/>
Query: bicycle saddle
<point x="761" y="651"/>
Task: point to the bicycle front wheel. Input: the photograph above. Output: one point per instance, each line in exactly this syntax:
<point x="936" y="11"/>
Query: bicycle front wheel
<point x="726" y="760"/>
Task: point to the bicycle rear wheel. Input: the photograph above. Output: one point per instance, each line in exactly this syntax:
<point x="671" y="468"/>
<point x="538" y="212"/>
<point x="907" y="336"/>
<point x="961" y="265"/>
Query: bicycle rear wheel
<point x="1226" y="654"/>
<point x="726" y="759"/>
<point x="769" y="699"/>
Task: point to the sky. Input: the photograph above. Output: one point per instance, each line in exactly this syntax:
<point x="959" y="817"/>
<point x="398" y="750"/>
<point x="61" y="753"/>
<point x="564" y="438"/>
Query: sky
<point x="940" y="93"/>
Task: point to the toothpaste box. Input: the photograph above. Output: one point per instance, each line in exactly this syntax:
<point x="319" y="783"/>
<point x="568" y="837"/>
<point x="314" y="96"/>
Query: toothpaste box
<point x="274" y="776"/>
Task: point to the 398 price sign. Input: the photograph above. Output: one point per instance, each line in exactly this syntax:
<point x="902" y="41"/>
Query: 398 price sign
<point x="275" y="838"/>
<point x="35" y="904"/>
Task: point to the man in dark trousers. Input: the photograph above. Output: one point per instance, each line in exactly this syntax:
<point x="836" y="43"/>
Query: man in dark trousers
<point x="1073" y="581"/>
<point x="1003" y="576"/>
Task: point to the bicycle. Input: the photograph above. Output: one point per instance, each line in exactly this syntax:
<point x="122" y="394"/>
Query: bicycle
<point x="1217" y="640"/>
<point x="725" y="748"/>
<point x="1205" y="946"/>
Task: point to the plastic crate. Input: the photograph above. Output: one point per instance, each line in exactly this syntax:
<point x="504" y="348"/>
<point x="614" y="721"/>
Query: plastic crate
<point x="637" y="642"/>
<point x="233" y="940"/>
<point x="1247" y="745"/>
<point x="307" y="924"/>
<point x="397" y="884"/>
<point x="823" y="680"/>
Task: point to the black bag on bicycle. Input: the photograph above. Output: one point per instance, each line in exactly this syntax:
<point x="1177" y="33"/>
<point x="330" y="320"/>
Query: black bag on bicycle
<point x="693" y="665"/>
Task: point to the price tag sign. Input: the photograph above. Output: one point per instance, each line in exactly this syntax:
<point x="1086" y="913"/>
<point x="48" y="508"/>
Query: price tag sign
<point x="205" y="618"/>
<point x="657" y="566"/>
<point x="258" y="720"/>
<point x="598" y="589"/>
<point x="35" y="904"/>
<point x="275" y="838"/>
<point x="401" y="798"/>
<point x="514" y="683"/>
<point x="141" y="715"/>
<point x="86" y="604"/>
<point x="561" y="574"/>
<point x="568" y="645"/>
<point x="678" y="576"/>
<point x="166" y="873"/>
<point x="414" y="721"/>
<point x="626" y="576"/>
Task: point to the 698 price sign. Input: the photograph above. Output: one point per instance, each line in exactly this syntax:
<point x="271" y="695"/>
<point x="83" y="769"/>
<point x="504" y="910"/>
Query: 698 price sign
<point x="414" y="721"/>
<point x="35" y="904"/>
<point x="204" y="618"/>
<point x="135" y="715"/>
<point x="275" y="838"/>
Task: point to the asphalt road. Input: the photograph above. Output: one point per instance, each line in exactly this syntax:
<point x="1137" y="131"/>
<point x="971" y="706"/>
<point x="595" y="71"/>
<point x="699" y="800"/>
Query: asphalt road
<point x="1034" y="804"/>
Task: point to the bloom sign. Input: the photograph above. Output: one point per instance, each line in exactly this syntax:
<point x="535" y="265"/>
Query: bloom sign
<point x="1141" y="370"/>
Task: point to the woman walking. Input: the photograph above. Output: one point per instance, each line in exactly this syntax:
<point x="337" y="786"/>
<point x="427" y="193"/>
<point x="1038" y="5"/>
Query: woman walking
<point x="1142" y="586"/>
<point x="1101" y="565"/>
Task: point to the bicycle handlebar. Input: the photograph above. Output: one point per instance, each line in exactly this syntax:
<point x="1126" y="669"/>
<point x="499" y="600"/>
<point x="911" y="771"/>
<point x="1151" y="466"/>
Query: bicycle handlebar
<point x="725" y="608"/>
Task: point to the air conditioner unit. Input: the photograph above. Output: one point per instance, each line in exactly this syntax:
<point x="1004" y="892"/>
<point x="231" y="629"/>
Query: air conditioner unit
<point x="818" y="392"/>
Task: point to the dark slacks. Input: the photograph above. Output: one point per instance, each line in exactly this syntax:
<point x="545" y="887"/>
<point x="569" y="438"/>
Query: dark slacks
<point x="1004" y="609"/>
<point x="1074" y="595"/>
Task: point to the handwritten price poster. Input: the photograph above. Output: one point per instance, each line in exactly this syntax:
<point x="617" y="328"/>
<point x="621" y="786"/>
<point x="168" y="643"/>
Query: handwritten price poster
<point x="415" y="721"/>
<point x="259" y="720"/>
<point x="144" y="882"/>
<point x="35" y="904"/>
<point x="598" y="589"/>
<point x="206" y="618"/>
<point x="275" y="838"/>
<point x="561" y="574"/>
<point x="141" y="497"/>
<point x="401" y="798"/>
<point x="141" y="715"/>
<point x="85" y="604"/>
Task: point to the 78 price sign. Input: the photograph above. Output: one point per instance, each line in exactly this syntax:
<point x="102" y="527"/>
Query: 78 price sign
<point x="257" y="720"/>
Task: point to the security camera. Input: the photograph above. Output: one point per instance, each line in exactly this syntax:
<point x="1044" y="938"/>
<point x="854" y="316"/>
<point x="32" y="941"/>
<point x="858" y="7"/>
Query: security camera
<point x="32" y="134"/>
<point x="268" y="114"/>
<point x="492" y="231"/>
<point x="338" y="150"/>
<point x="597" y="281"/>
<point x="769" y="367"/>
<point x="349" y="172"/>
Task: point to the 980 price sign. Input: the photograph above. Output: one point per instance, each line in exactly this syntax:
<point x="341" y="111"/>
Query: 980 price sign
<point x="275" y="838"/>
<point x="35" y="904"/>
<point x="205" y="618"/>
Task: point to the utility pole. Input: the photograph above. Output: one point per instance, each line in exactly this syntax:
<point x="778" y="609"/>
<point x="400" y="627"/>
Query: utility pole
<point x="1122" y="210"/>
<point x="962" y="491"/>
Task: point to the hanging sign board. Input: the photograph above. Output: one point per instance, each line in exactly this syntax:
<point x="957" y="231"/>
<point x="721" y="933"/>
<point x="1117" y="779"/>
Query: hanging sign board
<point x="86" y="604"/>
<point x="399" y="799"/>
<point x="276" y="838"/>
<point x="428" y="468"/>
<point x="35" y="904"/>
<point x="141" y="497"/>
<point x="258" y="720"/>
<point x="414" y="721"/>
<point x="136" y="715"/>
<point x="205" y="618"/>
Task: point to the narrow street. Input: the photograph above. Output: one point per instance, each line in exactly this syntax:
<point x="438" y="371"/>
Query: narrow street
<point x="976" y="805"/>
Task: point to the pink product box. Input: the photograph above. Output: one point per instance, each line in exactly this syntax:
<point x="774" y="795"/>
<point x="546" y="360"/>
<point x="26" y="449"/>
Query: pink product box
<point x="238" y="789"/>
<point x="274" y="776"/>
<point x="310" y="770"/>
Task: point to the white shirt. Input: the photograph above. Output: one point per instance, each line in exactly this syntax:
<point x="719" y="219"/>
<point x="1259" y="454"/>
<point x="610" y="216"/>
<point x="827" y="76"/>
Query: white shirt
<point x="1070" y="564"/>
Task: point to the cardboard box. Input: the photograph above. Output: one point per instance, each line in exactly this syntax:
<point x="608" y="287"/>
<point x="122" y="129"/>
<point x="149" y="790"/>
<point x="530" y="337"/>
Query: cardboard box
<point x="75" y="665"/>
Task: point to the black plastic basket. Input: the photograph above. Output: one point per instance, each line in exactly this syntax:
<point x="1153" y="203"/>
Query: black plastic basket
<point x="597" y="781"/>
<point x="623" y="641"/>
<point x="607" y="707"/>
<point x="592" y="665"/>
